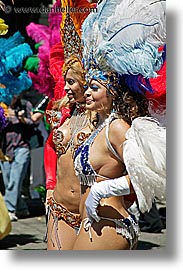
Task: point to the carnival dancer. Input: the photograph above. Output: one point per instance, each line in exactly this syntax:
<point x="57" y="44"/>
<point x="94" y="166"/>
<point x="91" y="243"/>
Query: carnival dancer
<point x="63" y="203"/>
<point x="124" y="158"/>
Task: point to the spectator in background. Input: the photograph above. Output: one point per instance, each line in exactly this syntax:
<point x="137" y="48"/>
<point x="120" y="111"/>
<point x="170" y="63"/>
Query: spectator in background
<point x="151" y="221"/>
<point x="15" y="145"/>
<point x="37" y="173"/>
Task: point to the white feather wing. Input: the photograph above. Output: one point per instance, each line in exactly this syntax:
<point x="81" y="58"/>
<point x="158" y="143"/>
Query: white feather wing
<point x="144" y="155"/>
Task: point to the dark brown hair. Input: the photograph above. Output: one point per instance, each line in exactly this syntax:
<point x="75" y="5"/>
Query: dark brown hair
<point x="131" y="105"/>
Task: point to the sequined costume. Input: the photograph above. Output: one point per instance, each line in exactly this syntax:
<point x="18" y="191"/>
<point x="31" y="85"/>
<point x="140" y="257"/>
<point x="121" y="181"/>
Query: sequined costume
<point x="127" y="227"/>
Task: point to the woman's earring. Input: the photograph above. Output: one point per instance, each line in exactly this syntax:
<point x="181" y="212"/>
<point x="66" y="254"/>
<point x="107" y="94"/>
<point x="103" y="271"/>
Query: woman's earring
<point x="114" y="109"/>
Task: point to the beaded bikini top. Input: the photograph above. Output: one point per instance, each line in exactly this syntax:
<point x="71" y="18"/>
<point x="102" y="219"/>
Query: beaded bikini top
<point x="58" y="138"/>
<point x="83" y="168"/>
<point x="77" y="122"/>
<point x="82" y="165"/>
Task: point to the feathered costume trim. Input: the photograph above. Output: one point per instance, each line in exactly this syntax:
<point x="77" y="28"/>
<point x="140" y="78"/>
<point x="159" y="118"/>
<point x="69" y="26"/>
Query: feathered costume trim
<point x="13" y="52"/>
<point x="48" y="36"/>
<point x="56" y="62"/>
<point x="13" y="58"/>
<point x="11" y="42"/>
<point x="13" y="80"/>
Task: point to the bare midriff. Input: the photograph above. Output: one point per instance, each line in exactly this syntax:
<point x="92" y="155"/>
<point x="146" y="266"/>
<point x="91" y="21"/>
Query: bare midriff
<point x="67" y="190"/>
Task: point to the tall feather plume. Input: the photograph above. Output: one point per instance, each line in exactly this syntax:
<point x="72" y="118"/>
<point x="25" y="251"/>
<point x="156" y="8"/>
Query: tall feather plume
<point x="12" y="85"/>
<point x="13" y="79"/>
<point x="38" y="32"/>
<point x="10" y="42"/>
<point x="47" y="36"/>
<point x="16" y="56"/>
<point x="125" y="36"/>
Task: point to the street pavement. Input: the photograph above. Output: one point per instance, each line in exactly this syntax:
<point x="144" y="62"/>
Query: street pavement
<point x="28" y="234"/>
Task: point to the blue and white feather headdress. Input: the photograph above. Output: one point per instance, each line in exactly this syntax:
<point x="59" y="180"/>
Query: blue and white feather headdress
<point x="123" y="38"/>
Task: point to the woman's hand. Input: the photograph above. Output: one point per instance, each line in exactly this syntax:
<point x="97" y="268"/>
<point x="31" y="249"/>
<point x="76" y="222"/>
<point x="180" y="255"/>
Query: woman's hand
<point x="92" y="202"/>
<point x="105" y="189"/>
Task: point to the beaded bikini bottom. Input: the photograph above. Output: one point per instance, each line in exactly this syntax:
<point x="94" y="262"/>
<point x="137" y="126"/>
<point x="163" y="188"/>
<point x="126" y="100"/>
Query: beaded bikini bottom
<point x="59" y="212"/>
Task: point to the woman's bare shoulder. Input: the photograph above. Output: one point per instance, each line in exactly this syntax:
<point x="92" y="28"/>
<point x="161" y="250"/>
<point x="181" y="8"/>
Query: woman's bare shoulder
<point x="117" y="134"/>
<point x="118" y="127"/>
